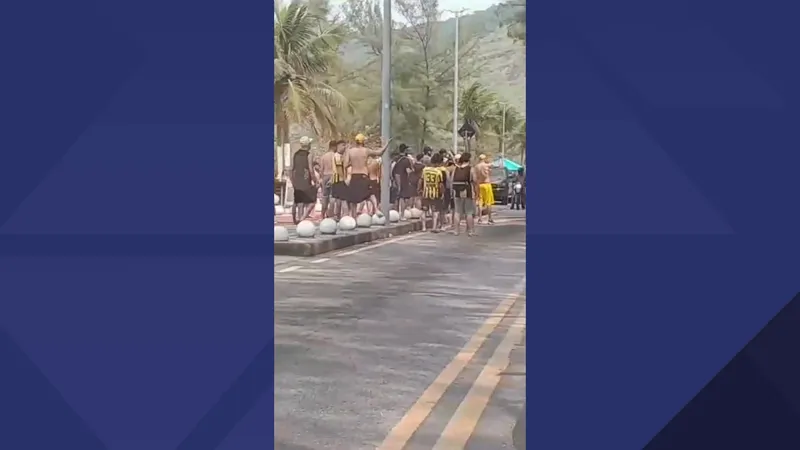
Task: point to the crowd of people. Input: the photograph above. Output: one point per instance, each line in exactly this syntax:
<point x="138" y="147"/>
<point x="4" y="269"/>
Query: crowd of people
<point x="449" y="189"/>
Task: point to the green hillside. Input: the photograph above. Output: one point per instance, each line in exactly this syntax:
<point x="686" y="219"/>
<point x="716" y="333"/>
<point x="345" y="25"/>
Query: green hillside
<point x="498" y="62"/>
<point x="328" y="69"/>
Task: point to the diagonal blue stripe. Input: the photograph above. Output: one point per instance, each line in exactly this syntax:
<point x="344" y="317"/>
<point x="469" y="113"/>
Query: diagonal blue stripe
<point x="234" y="404"/>
<point x="700" y="146"/>
<point x="45" y="119"/>
<point x="748" y="404"/>
<point x="26" y="398"/>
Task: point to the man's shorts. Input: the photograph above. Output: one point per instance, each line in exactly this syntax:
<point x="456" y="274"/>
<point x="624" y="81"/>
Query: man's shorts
<point x="486" y="195"/>
<point x="432" y="204"/>
<point x="464" y="206"/>
<point x="327" y="186"/>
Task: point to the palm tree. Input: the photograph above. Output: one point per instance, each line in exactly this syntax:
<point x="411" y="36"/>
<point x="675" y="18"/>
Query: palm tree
<point x="477" y="106"/>
<point x="306" y="50"/>
<point x="513" y="16"/>
<point x="517" y="140"/>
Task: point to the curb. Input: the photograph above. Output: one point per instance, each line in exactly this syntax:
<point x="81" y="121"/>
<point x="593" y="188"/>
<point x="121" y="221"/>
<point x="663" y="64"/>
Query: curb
<point x="313" y="247"/>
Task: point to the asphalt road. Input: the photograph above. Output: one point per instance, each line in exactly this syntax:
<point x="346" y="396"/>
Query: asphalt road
<point x="410" y="343"/>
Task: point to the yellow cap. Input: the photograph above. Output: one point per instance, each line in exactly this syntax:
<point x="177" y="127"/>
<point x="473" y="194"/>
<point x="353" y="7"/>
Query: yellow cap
<point x="360" y="138"/>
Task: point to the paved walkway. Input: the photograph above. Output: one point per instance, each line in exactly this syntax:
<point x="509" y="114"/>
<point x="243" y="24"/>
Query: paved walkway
<point x="412" y="344"/>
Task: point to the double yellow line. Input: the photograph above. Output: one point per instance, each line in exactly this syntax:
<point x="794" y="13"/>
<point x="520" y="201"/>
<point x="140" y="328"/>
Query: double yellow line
<point x="465" y="420"/>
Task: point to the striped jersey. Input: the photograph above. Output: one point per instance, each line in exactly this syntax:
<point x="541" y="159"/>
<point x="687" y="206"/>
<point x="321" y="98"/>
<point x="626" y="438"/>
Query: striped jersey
<point x="432" y="182"/>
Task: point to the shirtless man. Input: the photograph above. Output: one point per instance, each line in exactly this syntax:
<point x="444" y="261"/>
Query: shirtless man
<point x="338" y="188"/>
<point x="374" y="170"/>
<point x="327" y="170"/>
<point x="357" y="176"/>
<point x="485" y="194"/>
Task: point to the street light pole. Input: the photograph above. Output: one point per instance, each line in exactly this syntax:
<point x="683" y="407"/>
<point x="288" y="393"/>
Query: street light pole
<point x="386" y="107"/>
<point x="503" y="136"/>
<point x="455" y="84"/>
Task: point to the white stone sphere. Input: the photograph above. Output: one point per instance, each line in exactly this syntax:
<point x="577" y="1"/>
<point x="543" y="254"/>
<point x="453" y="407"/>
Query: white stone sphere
<point x="364" y="221"/>
<point x="306" y="229"/>
<point x="416" y="213"/>
<point x="318" y="207"/>
<point x="277" y="199"/>
<point x="378" y="219"/>
<point x="279" y="210"/>
<point x="407" y="214"/>
<point x="327" y="226"/>
<point x="281" y="234"/>
<point x="347" y="223"/>
<point x="394" y="216"/>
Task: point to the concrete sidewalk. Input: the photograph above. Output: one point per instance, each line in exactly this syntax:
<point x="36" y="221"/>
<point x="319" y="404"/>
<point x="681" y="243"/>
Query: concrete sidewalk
<point x="297" y="246"/>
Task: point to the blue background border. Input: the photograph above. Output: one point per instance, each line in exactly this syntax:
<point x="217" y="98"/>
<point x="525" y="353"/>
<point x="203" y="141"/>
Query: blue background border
<point x="662" y="221"/>
<point x="135" y="248"/>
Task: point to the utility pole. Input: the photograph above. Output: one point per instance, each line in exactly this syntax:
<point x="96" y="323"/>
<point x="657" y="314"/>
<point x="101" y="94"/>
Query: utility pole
<point x="503" y="136"/>
<point x="455" y="83"/>
<point x="386" y="107"/>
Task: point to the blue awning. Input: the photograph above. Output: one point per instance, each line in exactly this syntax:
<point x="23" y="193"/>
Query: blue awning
<point x="509" y="165"/>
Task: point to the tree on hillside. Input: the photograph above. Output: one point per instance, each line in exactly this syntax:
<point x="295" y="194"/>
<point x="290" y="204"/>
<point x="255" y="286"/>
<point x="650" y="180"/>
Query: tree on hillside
<point x="422" y="69"/>
<point x="306" y="47"/>
<point x="364" y="19"/>
<point x="517" y="141"/>
<point x="505" y="129"/>
<point x="514" y="12"/>
<point x="425" y="64"/>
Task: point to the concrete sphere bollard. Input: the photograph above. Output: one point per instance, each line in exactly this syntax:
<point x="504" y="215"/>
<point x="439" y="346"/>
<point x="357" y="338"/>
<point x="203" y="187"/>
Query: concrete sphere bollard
<point x="394" y="216"/>
<point x="306" y="229"/>
<point x="277" y="199"/>
<point x="378" y="219"/>
<point x="364" y="221"/>
<point x="279" y="210"/>
<point x="328" y="226"/>
<point x="407" y="214"/>
<point x="347" y="223"/>
<point x="281" y="234"/>
<point x="416" y="213"/>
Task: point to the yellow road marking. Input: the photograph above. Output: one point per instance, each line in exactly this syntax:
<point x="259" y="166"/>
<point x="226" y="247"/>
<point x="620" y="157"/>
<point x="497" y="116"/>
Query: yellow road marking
<point x="412" y="420"/>
<point x="463" y="423"/>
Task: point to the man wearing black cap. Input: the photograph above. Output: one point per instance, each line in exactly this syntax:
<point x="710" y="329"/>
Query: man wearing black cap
<point x="426" y="155"/>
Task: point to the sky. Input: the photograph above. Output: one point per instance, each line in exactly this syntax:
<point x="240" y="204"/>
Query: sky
<point x="469" y="5"/>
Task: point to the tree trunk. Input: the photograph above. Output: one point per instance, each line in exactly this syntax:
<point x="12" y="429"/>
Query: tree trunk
<point x="278" y="142"/>
<point x="424" y="131"/>
<point x="282" y="137"/>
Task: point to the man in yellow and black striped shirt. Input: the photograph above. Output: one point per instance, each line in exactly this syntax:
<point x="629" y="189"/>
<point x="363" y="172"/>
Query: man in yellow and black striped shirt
<point x="432" y="186"/>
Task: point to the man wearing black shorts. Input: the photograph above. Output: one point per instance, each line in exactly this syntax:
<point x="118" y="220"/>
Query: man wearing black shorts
<point x="447" y="174"/>
<point x="464" y="189"/>
<point x="432" y="187"/>
<point x="400" y="175"/>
